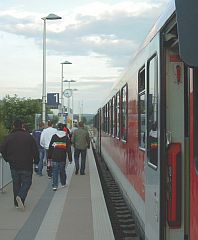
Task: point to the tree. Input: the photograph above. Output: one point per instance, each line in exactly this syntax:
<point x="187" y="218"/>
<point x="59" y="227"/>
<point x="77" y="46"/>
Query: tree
<point x="14" y="107"/>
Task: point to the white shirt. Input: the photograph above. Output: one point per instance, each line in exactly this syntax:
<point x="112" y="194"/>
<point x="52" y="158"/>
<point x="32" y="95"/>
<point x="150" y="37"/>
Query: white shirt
<point x="46" y="136"/>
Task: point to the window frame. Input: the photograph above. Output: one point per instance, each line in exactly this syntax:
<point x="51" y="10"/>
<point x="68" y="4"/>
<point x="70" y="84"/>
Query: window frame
<point x="122" y="136"/>
<point x="141" y="92"/>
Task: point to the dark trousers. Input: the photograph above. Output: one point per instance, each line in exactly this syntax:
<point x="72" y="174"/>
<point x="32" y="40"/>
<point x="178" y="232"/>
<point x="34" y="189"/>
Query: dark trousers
<point x="77" y="154"/>
<point x="22" y="180"/>
<point x="49" y="164"/>
<point x="58" y="169"/>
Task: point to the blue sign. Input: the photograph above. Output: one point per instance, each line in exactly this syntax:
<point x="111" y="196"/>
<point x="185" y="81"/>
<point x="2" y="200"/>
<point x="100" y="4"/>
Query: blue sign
<point x="53" y="100"/>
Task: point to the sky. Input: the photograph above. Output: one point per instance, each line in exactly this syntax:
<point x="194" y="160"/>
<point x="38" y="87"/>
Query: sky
<point x="99" y="38"/>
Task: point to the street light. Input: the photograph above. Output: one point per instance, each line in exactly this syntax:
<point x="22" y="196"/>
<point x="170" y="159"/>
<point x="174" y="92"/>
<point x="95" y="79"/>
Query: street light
<point x="62" y="100"/>
<point x="51" y="16"/>
<point x="69" y="89"/>
<point x="74" y="89"/>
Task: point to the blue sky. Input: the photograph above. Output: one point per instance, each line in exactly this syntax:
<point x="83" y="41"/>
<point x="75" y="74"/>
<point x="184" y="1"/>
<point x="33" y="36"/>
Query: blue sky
<point x="98" y="37"/>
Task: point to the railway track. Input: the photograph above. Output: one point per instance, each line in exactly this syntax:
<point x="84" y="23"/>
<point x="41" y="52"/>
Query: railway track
<point x="121" y="217"/>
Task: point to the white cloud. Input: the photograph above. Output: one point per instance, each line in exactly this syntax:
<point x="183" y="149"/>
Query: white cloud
<point x="98" y="37"/>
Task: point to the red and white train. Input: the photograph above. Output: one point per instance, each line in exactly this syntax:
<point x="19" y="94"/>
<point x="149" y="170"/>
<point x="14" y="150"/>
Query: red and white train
<point x="148" y="127"/>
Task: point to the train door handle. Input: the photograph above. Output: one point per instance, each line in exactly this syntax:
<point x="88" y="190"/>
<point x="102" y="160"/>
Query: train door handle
<point x="168" y="138"/>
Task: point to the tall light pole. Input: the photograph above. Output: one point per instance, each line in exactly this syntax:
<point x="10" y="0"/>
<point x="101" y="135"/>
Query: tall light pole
<point x="73" y="90"/>
<point x="62" y="100"/>
<point x="51" y="16"/>
<point x="69" y="89"/>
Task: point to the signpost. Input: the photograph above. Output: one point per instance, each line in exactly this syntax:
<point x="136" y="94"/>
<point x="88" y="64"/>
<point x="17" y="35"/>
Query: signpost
<point x="53" y="100"/>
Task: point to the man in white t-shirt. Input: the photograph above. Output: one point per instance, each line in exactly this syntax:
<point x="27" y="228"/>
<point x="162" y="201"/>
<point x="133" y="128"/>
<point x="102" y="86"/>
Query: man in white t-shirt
<point x="45" y="139"/>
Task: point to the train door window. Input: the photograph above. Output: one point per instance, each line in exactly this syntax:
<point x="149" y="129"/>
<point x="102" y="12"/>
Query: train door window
<point x="141" y="108"/>
<point x="152" y="112"/>
<point x="118" y="115"/>
<point x="113" y="116"/>
<point x="195" y="109"/>
<point x="124" y="112"/>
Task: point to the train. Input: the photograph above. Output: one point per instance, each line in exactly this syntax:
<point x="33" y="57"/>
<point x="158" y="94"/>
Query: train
<point x="146" y="129"/>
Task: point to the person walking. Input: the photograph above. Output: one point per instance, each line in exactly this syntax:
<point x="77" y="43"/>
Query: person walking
<point x="19" y="149"/>
<point x="45" y="139"/>
<point x="37" y="135"/>
<point x="80" y="141"/>
<point x="59" y="148"/>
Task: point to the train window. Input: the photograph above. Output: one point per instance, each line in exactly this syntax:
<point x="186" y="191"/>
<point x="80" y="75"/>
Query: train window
<point x="141" y="108"/>
<point x="113" y="116"/>
<point x="106" y="118"/>
<point x="152" y="112"/>
<point x="195" y="86"/>
<point x="117" y="115"/>
<point x="103" y="119"/>
<point x="124" y="112"/>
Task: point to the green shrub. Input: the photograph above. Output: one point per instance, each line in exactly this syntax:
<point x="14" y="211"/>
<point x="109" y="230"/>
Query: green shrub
<point x="3" y="131"/>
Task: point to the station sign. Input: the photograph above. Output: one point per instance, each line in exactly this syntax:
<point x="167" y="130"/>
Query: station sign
<point x="53" y="100"/>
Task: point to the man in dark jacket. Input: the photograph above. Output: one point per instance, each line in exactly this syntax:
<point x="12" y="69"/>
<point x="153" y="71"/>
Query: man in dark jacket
<point x="20" y="151"/>
<point x="59" y="148"/>
<point x="81" y="141"/>
<point x="37" y="135"/>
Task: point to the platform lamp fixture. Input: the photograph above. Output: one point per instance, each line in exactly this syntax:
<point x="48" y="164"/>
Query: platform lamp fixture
<point x="62" y="99"/>
<point x="51" y="16"/>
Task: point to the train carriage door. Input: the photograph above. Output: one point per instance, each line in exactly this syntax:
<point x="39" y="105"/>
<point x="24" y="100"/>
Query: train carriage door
<point x="194" y="155"/>
<point x="174" y="137"/>
<point x="152" y="163"/>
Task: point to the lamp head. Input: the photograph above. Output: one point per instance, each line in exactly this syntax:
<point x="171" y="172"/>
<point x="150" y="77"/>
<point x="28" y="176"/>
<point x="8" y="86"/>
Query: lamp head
<point x="66" y="62"/>
<point x="51" y="16"/>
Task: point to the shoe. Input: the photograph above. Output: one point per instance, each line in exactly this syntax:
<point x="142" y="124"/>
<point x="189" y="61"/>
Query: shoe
<point x="82" y="173"/>
<point x="63" y="186"/>
<point x="54" y="188"/>
<point x="49" y="177"/>
<point x="76" y="172"/>
<point x="20" y="203"/>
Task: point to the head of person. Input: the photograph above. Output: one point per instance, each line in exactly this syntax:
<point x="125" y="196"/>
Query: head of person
<point x="60" y="126"/>
<point x="49" y="123"/>
<point x="41" y="125"/>
<point x="81" y="124"/>
<point x="17" y="124"/>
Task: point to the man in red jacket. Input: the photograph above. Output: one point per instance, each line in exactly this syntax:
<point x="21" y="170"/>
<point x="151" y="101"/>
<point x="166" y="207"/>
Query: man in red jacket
<point x="19" y="149"/>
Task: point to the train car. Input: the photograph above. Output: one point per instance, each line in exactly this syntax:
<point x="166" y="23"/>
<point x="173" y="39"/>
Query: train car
<point x="147" y="127"/>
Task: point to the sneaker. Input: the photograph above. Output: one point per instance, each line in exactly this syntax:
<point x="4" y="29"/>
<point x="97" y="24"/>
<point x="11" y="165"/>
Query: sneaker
<point x="20" y="203"/>
<point x="63" y="186"/>
<point x="54" y="188"/>
<point x="49" y="177"/>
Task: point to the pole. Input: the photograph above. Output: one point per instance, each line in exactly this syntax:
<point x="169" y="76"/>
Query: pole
<point x="44" y="73"/>
<point x="69" y="100"/>
<point x="72" y="107"/>
<point x="62" y="103"/>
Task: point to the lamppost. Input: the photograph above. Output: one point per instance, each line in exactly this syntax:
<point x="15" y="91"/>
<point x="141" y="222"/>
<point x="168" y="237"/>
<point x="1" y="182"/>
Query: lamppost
<point x="74" y="89"/>
<point x="69" y="90"/>
<point x="51" y="16"/>
<point x="62" y="100"/>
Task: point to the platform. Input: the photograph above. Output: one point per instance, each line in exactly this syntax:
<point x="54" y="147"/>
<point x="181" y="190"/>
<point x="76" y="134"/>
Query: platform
<point x="77" y="211"/>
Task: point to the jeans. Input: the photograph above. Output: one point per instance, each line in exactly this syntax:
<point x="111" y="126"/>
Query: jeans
<point x="22" y="180"/>
<point x="58" y="169"/>
<point x="41" y="158"/>
<point x="77" y="153"/>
